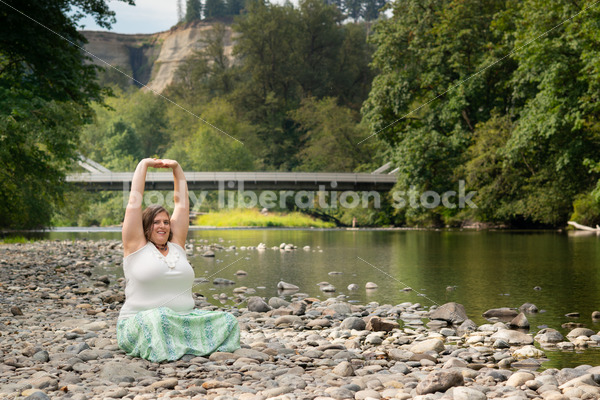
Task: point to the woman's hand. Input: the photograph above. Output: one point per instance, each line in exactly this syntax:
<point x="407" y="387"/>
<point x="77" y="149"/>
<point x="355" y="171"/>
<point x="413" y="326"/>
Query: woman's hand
<point x="169" y="163"/>
<point x="160" y="163"/>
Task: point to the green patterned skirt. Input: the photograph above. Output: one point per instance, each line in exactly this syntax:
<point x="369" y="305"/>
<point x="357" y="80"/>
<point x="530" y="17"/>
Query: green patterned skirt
<point x="163" y="335"/>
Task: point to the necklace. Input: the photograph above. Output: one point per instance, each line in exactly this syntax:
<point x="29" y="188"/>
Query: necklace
<point x="163" y="247"/>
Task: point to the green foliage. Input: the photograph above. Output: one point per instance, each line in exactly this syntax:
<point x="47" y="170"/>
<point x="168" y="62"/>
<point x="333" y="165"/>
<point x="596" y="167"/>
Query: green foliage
<point x="193" y="10"/>
<point x="287" y="54"/>
<point x="211" y="150"/>
<point x="135" y="126"/>
<point x="331" y="134"/>
<point x="214" y="9"/>
<point x="586" y="210"/>
<point x="45" y="87"/>
<point x="518" y="130"/>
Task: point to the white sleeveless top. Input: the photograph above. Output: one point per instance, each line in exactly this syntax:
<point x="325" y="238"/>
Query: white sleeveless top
<point x="153" y="280"/>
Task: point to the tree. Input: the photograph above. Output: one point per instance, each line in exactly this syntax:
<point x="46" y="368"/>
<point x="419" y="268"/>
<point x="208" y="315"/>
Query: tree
<point x="235" y="7"/>
<point x="209" y="150"/>
<point x="180" y="14"/>
<point x="214" y="9"/>
<point x="354" y="8"/>
<point x="330" y="136"/>
<point x="46" y="85"/>
<point x="193" y="10"/>
<point x="422" y="51"/>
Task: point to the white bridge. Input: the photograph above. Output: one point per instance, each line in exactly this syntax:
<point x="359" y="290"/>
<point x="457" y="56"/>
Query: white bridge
<point x="99" y="178"/>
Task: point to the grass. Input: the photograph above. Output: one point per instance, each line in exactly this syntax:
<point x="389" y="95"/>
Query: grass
<point x="252" y="217"/>
<point x="15" y="239"/>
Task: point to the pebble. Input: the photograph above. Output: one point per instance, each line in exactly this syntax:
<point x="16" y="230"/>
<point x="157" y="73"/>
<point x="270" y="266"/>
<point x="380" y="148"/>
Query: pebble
<point x="63" y="343"/>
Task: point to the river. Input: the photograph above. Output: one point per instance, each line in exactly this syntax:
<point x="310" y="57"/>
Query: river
<point x="558" y="272"/>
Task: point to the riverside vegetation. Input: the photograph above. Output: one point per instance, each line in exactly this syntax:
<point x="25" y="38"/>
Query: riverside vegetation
<point x="302" y="89"/>
<point x="58" y="341"/>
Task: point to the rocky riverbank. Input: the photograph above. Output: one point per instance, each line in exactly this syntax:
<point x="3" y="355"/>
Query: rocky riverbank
<point x="58" y="340"/>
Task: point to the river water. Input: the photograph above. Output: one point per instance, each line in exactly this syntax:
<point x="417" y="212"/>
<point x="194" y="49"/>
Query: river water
<point x="558" y="272"/>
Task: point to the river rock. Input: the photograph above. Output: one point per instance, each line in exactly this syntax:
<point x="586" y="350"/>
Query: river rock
<point x="502" y="313"/>
<point x="528" y="352"/>
<point x="520" y="321"/>
<point x="119" y="372"/>
<point x="353" y="323"/>
<point x="513" y="337"/>
<point x="465" y="393"/>
<point x="208" y="253"/>
<point x="257" y="304"/>
<point x="344" y="369"/>
<point x="453" y="313"/>
<point x="428" y="345"/>
<point x="528" y="308"/>
<point x="16" y="311"/>
<point x="354" y="286"/>
<point x="467" y="326"/>
<point x="549" y="335"/>
<point x="286" y="286"/>
<point x="518" y="379"/>
<point x="439" y="381"/>
<point x="580" y="332"/>
<point x="278" y="302"/>
<point x="371" y="285"/>
<point x="377" y="324"/>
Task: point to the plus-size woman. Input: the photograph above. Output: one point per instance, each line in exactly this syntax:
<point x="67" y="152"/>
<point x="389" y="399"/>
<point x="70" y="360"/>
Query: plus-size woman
<point x="158" y="321"/>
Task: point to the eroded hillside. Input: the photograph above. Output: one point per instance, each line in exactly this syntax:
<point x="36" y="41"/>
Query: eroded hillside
<point x="151" y="59"/>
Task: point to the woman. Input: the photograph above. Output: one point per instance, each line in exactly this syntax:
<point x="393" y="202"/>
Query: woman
<point x="158" y="321"/>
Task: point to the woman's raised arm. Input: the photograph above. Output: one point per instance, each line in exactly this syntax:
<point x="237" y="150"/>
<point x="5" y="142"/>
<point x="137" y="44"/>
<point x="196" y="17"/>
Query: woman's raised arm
<point x="133" y="230"/>
<point x="180" y="220"/>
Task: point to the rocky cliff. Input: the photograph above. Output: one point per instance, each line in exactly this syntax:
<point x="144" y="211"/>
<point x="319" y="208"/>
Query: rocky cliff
<point x="152" y="59"/>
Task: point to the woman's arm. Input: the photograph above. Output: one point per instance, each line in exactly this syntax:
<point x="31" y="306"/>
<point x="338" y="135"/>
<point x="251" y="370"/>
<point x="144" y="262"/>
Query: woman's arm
<point x="133" y="231"/>
<point x="180" y="220"/>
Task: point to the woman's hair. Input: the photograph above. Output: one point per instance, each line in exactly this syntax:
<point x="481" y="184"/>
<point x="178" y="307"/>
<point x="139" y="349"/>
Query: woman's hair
<point x="148" y="220"/>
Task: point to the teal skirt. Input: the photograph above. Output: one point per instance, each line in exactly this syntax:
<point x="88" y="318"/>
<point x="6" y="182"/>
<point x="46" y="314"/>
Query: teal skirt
<point x="163" y="335"/>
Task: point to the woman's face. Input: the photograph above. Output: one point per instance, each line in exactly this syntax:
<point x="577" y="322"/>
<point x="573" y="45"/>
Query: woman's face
<point x="161" y="227"/>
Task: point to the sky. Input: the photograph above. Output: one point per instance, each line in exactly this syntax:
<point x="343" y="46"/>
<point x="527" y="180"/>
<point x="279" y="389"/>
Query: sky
<point x="147" y="16"/>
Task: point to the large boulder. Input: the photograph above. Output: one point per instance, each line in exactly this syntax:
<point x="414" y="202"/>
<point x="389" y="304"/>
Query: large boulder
<point x="453" y="313"/>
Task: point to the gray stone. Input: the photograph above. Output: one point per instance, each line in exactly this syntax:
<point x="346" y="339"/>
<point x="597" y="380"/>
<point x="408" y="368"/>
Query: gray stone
<point x="339" y="393"/>
<point x="353" y="323"/>
<point x="253" y="354"/>
<point x="502" y="313"/>
<point x="549" y="335"/>
<point x="453" y="313"/>
<point x="278" y="302"/>
<point x="37" y="396"/>
<point x="344" y="369"/>
<point x="467" y="326"/>
<point x="464" y="393"/>
<point x="118" y="372"/>
<point x="520" y="321"/>
<point x="399" y="354"/>
<point x="439" y="381"/>
<point x="257" y="304"/>
<point x="428" y="345"/>
<point x="528" y="308"/>
<point x="286" y="286"/>
<point x="519" y="378"/>
<point x="580" y="332"/>
<point x="512" y="337"/>
<point x="41" y="356"/>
